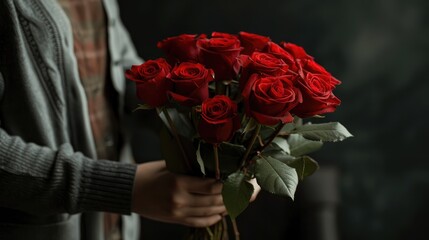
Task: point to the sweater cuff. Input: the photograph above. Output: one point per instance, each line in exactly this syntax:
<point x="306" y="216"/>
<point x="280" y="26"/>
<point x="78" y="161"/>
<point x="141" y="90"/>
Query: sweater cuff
<point x="107" y="186"/>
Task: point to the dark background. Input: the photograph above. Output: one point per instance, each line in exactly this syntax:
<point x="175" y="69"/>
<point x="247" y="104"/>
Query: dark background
<point x="380" y="51"/>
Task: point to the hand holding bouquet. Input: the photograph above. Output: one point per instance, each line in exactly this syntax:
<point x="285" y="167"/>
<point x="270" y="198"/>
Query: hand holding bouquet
<point x="233" y="107"/>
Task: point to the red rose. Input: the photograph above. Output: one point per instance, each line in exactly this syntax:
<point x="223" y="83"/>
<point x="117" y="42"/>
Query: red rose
<point x="181" y="48"/>
<point x="190" y="83"/>
<point x="219" y="119"/>
<point x="151" y="82"/>
<point x="318" y="97"/>
<point x="310" y="66"/>
<point x="261" y="63"/>
<point x="220" y="54"/>
<point x="270" y="99"/>
<point x="279" y="52"/>
<point x="252" y="42"/>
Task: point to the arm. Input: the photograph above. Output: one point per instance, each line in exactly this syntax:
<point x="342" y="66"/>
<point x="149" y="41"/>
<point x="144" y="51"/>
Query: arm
<point x="39" y="180"/>
<point x="43" y="181"/>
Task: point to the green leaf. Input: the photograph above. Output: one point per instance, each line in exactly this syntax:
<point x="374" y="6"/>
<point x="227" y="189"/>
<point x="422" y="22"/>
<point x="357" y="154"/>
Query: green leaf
<point x="279" y="155"/>
<point x="250" y="125"/>
<point x="173" y="155"/>
<point x="297" y="121"/>
<point x="177" y="106"/>
<point x="171" y="152"/>
<point x="288" y="128"/>
<point x="304" y="166"/>
<point x="230" y="156"/>
<point x="276" y="177"/>
<point x="236" y="193"/>
<point x="200" y="159"/>
<point x="300" y="146"/>
<point x="330" y="132"/>
<point x="182" y="122"/>
<point x="282" y="144"/>
<point x="266" y="132"/>
<point x="143" y="107"/>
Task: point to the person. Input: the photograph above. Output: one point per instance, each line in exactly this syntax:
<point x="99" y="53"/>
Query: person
<point x="62" y="101"/>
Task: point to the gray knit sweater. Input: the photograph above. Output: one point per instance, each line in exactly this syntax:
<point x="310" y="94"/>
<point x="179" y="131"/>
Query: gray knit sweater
<point x="47" y="169"/>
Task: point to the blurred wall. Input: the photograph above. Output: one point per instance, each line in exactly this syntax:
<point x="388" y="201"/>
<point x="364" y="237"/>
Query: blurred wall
<point x="379" y="49"/>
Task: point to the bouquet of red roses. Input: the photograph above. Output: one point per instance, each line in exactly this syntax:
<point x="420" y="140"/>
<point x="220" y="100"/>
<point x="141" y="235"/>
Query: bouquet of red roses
<point x="233" y="107"/>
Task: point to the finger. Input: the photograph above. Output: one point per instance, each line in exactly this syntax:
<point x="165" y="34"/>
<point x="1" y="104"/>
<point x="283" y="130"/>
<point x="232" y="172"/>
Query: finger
<point x="201" y="221"/>
<point x="204" y="211"/>
<point x="256" y="190"/>
<point x="205" y="186"/>
<point x="198" y="200"/>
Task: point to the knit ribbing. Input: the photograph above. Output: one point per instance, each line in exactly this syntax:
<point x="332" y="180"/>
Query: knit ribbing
<point x="40" y="180"/>
<point x="106" y="186"/>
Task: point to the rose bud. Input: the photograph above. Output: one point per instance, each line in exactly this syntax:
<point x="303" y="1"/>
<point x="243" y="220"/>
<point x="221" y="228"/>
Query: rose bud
<point x="219" y="119"/>
<point x="317" y="94"/>
<point x="252" y="42"/>
<point x="182" y="48"/>
<point x="263" y="64"/>
<point x="190" y="83"/>
<point x="151" y="82"/>
<point x="270" y="99"/>
<point x="220" y="54"/>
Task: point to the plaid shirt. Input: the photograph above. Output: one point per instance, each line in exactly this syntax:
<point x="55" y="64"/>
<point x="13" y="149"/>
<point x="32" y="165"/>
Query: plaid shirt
<point x="88" y="22"/>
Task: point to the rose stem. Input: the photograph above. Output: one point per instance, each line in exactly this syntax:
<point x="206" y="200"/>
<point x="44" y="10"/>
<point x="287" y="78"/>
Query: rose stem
<point x="176" y="136"/>
<point x="236" y="232"/>
<point x="252" y="141"/>
<point x="209" y="231"/>
<point x="225" y="228"/>
<point x="273" y="135"/>
<point x="217" y="230"/>
<point x="216" y="158"/>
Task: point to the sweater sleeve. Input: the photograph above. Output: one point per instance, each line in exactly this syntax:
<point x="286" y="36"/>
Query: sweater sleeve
<point x="39" y="180"/>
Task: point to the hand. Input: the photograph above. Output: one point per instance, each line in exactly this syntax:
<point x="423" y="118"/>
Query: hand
<point x="256" y="190"/>
<point x="164" y="196"/>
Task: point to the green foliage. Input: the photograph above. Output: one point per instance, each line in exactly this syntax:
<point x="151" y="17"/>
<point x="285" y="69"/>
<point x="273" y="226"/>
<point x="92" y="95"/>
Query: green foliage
<point x="278" y="154"/>
<point x="236" y="193"/>
<point x="182" y="123"/>
<point x="327" y="132"/>
<point x="200" y="160"/>
<point x="304" y="166"/>
<point x="266" y="132"/>
<point x="171" y="152"/>
<point x="230" y="156"/>
<point x="288" y="128"/>
<point x="281" y="144"/>
<point x="300" y="146"/>
<point x="276" y="177"/>
<point x="143" y="107"/>
<point x="250" y="125"/>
